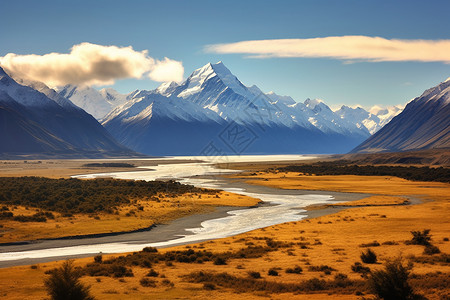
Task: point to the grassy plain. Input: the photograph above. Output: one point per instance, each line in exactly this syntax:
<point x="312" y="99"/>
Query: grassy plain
<point x="380" y="222"/>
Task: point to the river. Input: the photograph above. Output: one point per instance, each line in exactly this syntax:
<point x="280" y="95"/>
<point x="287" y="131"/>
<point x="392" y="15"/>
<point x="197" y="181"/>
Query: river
<point x="278" y="206"/>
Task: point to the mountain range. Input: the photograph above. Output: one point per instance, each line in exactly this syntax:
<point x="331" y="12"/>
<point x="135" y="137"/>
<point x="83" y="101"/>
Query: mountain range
<point x="210" y="113"/>
<point x="183" y="119"/>
<point x="36" y="120"/>
<point x="423" y="124"/>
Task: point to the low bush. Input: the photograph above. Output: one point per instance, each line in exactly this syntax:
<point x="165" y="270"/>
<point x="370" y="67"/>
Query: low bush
<point x="369" y="257"/>
<point x="64" y="283"/>
<point x="322" y="268"/>
<point x="146" y="282"/>
<point x="392" y="282"/>
<point x="220" y="261"/>
<point x="69" y="196"/>
<point x="345" y="167"/>
<point x="295" y="270"/>
<point x="421" y="237"/>
<point x="152" y="273"/>
<point x="250" y="284"/>
<point x="357" y="267"/>
<point x="254" y="274"/>
<point x="372" y="244"/>
<point x="431" y="250"/>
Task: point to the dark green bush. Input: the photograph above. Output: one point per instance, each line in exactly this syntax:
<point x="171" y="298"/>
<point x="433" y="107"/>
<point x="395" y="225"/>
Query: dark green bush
<point x="357" y="267"/>
<point x="145" y="282"/>
<point x="421" y="237"/>
<point x="295" y="270"/>
<point x="369" y="257"/>
<point x="98" y="259"/>
<point x="431" y="249"/>
<point x="254" y="274"/>
<point x="272" y="272"/>
<point x="64" y="284"/>
<point x="220" y="261"/>
<point x="392" y="282"/>
<point x="152" y="273"/>
<point x="343" y="167"/>
<point x="69" y="196"/>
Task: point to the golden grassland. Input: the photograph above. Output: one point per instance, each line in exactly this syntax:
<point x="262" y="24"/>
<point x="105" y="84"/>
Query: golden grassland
<point x="140" y="214"/>
<point x="334" y="240"/>
<point x="130" y="217"/>
<point x="64" y="168"/>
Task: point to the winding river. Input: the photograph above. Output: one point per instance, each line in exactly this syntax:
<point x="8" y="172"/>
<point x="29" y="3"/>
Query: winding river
<point x="278" y="206"/>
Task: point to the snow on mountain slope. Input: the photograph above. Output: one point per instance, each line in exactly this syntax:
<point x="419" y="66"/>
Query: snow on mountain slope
<point x="50" y="93"/>
<point x="34" y="123"/>
<point x="97" y="103"/>
<point x="212" y="97"/>
<point x="282" y="99"/>
<point x="423" y="124"/>
<point x="22" y="94"/>
<point x="373" y="120"/>
<point x="385" y="114"/>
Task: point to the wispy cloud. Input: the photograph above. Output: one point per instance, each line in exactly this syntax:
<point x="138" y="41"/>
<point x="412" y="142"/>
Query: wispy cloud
<point x="92" y="64"/>
<point x="346" y="48"/>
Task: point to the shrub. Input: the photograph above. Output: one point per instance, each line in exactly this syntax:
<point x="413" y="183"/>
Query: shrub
<point x="315" y="284"/>
<point x="220" y="261"/>
<point x="322" y="268"/>
<point x="357" y="267"/>
<point x="209" y="286"/>
<point x="392" y="282"/>
<point x="431" y="249"/>
<point x="369" y="257"/>
<point x="167" y="282"/>
<point x="295" y="270"/>
<point x="421" y="237"/>
<point x="147" y="282"/>
<point x="272" y="272"/>
<point x="254" y="274"/>
<point x="152" y="273"/>
<point x="64" y="284"/>
<point x="150" y="250"/>
<point x="98" y="259"/>
<point x="372" y="244"/>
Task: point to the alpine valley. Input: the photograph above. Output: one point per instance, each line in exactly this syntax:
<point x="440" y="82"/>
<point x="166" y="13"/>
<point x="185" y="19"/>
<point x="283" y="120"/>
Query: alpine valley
<point x="210" y="113"/>
<point x="213" y="113"/>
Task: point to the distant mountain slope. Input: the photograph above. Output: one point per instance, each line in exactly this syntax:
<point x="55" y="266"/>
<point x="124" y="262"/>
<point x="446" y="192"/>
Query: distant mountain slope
<point x="33" y="122"/>
<point x="213" y="107"/>
<point x="97" y="103"/>
<point x="423" y="124"/>
<point x="373" y="120"/>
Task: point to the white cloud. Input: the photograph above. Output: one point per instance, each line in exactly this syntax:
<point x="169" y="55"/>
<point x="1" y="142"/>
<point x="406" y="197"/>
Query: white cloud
<point x="91" y="64"/>
<point x="167" y="70"/>
<point x="347" y="48"/>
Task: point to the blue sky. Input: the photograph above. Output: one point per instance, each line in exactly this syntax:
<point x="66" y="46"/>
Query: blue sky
<point x="180" y="30"/>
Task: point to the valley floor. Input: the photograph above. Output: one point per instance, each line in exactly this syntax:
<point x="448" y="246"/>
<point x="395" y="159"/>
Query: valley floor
<point x="308" y="259"/>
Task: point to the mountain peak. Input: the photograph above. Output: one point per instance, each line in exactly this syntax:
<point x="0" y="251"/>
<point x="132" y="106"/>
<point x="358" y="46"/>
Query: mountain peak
<point x="167" y="88"/>
<point x="440" y="93"/>
<point x="312" y="103"/>
<point x="200" y="76"/>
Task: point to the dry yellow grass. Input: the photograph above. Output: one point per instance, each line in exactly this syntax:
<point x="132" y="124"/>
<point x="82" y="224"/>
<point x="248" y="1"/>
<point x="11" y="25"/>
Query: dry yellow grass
<point x="332" y="240"/>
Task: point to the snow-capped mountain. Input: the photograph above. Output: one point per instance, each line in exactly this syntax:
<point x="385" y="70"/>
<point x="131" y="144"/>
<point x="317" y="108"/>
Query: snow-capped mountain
<point x="373" y="120"/>
<point x="423" y="124"/>
<point x="97" y="103"/>
<point x="37" y="120"/>
<point x="183" y="119"/>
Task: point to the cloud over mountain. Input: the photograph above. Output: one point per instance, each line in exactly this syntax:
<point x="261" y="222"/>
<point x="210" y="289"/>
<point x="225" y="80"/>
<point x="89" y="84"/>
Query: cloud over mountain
<point x="92" y="64"/>
<point x="349" y="48"/>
